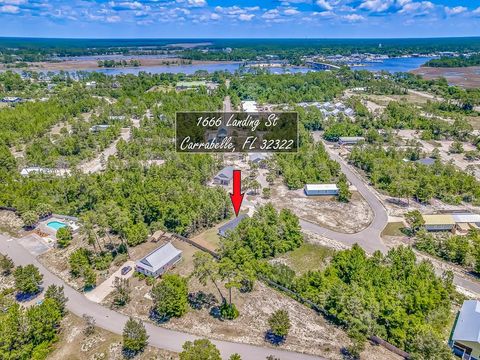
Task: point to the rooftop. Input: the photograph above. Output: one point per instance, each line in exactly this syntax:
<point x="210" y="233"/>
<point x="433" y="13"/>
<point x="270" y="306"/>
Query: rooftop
<point x="226" y="172"/>
<point x="232" y="224"/>
<point x="159" y="257"/>
<point x="467" y="327"/>
<point x="318" y="187"/>
<point x="466" y="218"/>
<point x="438" y="219"/>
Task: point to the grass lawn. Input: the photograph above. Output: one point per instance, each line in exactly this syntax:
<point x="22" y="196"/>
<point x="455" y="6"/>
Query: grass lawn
<point x="394" y="229"/>
<point x="308" y="257"/>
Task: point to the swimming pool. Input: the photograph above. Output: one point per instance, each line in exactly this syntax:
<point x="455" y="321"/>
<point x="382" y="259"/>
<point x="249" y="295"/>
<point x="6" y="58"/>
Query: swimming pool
<point x="56" y="225"/>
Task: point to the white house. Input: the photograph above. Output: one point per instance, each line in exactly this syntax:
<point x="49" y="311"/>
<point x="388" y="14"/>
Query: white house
<point x="439" y="222"/>
<point x="224" y="176"/>
<point x="97" y="128"/>
<point x="159" y="261"/>
<point x="249" y="106"/>
<point x="350" y="140"/>
<point x="320" y="189"/>
<point x="465" y="338"/>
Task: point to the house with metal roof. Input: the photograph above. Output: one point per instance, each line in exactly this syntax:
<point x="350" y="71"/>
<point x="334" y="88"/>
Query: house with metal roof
<point x="321" y="189"/>
<point x="224" y="176"/>
<point x="439" y="222"/>
<point x="465" y="337"/>
<point x="231" y="225"/>
<point x="426" y="161"/>
<point x="350" y="140"/>
<point x="159" y="261"/>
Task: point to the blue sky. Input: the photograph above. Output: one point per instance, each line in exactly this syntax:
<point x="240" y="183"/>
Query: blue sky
<point x="239" y="18"/>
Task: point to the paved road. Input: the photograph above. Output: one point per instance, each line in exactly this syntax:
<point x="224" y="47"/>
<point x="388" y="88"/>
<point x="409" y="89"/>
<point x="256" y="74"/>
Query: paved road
<point x="370" y="237"/>
<point x="114" y="321"/>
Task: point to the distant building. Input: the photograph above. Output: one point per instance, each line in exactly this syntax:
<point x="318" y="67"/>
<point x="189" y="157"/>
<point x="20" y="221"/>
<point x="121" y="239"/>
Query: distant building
<point x="159" y="261"/>
<point x="349" y="112"/>
<point x="426" y="161"/>
<point x="321" y="189"/>
<point x="91" y="84"/>
<point x="249" y="106"/>
<point x="36" y="170"/>
<point x="231" y="225"/>
<point x="98" y="128"/>
<point x="460" y="223"/>
<point x="465" y="338"/>
<point x="350" y="140"/>
<point x="224" y="176"/>
<point x="11" y="99"/>
<point x="258" y="158"/>
<point x="116" y="117"/>
<point x="439" y="222"/>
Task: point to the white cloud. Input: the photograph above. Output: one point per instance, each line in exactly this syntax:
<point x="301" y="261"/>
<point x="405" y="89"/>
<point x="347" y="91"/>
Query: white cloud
<point x="353" y="17"/>
<point x="376" y="5"/>
<point x="112" y="19"/>
<point x="324" y="4"/>
<point x="246" y="17"/>
<point x="324" y="14"/>
<point x="13" y="2"/>
<point x="9" y="9"/>
<point x="417" y="7"/>
<point x="214" y="16"/>
<point x="271" y="14"/>
<point x="455" y="10"/>
<point x="476" y="11"/>
<point x="291" y="12"/>
<point x="197" y="3"/>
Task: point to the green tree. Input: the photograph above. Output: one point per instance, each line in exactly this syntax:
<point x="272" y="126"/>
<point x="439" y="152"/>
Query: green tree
<point x="344" y="194"/>
<point x="279" y="323"/>
<point x="57" y="294"/>
<point x="171" y="296"/>
<point x="64" y="236"/>
<point x="6" y="265"/>
<point x="27" y="279"/>
<point x="135" y="337"/>
<point x="136" y="234"/>
<point x="29" y="218"/>
<point x="121" y="294"/>
<point x="415" y="220"/>
<point x="43" y="210"/>
<point x="205" y="267"/>
<point x="235" y="357"/>
<point x="201" y="349"/>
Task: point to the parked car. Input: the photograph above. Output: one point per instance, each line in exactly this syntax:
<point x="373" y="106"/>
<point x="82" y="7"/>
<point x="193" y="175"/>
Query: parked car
<point x="126" y="270"/>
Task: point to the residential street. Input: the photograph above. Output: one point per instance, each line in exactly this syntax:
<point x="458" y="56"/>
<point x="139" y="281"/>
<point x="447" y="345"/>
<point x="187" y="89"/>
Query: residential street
<point x="114" y="322"/>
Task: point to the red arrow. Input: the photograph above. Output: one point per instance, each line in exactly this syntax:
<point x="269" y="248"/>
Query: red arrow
<point x="237" y="196"/>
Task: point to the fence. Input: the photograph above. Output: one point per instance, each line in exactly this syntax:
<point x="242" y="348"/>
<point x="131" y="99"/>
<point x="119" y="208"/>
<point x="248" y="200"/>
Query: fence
<point x="299" y="298"/>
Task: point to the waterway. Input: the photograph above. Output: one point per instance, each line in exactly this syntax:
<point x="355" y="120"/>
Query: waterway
<point x="391" y="65"/>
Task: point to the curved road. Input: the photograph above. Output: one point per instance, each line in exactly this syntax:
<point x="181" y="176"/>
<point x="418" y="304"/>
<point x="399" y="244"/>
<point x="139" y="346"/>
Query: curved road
<point x="370" y="237"/>
<point x="113" y="321"/>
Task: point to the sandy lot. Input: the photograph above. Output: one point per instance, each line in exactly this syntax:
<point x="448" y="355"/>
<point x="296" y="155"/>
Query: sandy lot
<point x="468" y="77"/>
<point x="323" y="210"/>
<point x="308" y="327"/>
<point x="75" y="345"/>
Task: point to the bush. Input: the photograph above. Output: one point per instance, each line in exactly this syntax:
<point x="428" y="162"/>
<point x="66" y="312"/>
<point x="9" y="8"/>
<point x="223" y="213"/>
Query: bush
<point x="64" y="236"/>
<point x="228" y="311"/>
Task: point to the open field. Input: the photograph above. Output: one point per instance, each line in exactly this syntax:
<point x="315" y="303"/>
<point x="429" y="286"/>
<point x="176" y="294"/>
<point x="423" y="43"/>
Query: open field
<point x="93" y="64"/>
<point x="324" y="210"/>
<point x="255" y="307"/>
<point x="307" y="257"/>
<point x="468" y="77"/>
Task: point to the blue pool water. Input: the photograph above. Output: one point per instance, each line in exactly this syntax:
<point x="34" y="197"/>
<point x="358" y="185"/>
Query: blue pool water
<point x="56" y="225"/>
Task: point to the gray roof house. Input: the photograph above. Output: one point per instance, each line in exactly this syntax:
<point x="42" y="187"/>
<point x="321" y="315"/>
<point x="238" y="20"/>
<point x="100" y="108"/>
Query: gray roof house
<point x="159" y="261"/>
<point x="224" y="176"/>
<point x="465" y="338"/>
<point x="426" y="161"/>
<point x="231" y="225"/>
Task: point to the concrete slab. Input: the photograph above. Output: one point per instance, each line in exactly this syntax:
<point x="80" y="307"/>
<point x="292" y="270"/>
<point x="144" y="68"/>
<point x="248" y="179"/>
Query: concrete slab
<point x="34" y="244"/>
